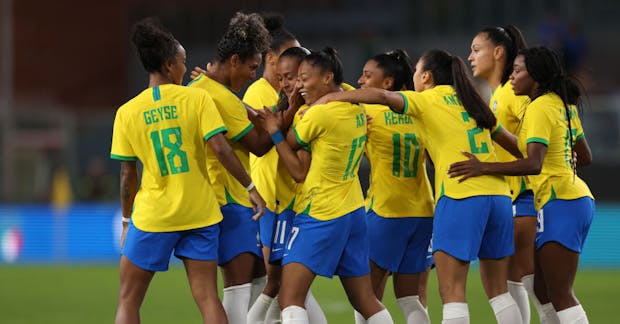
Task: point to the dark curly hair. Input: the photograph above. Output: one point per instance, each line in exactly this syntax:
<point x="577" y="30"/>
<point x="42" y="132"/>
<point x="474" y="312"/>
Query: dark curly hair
<point x="328" y="61"/>
<point x="279" y="35"/>
<point x="398" y="65"/>
<point x="154" y="45"/>
<point x="246" y="36"/>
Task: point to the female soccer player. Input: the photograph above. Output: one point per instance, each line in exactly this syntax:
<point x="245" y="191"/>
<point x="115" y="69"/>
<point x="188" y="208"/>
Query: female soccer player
<point x="175" y="210"/>
<point x="493" y="51"/>
<point x="260" y="94"/>
<point x="238" y="57"/>
<point x="550" y="133"/>
<point x="266" y="307"/>
<point x="471" y="220"/>
<point x="396" y="152"/>
<point x="329" y="234"/>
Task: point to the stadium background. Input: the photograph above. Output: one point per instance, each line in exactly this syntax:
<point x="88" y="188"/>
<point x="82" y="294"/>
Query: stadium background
<point x="66" y="65"/>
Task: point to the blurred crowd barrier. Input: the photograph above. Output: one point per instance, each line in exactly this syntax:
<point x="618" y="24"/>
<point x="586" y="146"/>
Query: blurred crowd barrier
<point x="90" y="233"/>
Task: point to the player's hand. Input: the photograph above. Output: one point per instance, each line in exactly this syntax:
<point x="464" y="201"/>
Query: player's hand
<point x="271" y="121"/>
<point x="198" y="71"/>
<point x="467" y="169"/>
<point x="258" y="204"/>
<point x="295" y="99"/>
<point x="124" y="234"/>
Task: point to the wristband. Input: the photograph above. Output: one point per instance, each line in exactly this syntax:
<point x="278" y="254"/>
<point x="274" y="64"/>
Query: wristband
<point x="277" y="137"/>
<point x="126" y="219"/>
<point x="250" y="186"/>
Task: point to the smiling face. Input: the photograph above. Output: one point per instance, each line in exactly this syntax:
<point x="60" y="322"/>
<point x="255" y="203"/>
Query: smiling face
<point x="521" y="80"/>
<point x="372" y="76"/>
<point x="482" y="57"/>
<point x="315" y="83"/>
<point x="286" y="72"/>
<point x="243" y="71"/>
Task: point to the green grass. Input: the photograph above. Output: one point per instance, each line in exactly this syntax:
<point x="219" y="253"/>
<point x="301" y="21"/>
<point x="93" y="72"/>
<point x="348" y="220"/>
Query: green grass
<point x="88" y="294"/>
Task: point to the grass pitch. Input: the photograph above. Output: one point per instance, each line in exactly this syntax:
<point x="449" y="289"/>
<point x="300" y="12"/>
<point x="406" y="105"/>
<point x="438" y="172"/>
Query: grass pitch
<point x="88" y="294"/>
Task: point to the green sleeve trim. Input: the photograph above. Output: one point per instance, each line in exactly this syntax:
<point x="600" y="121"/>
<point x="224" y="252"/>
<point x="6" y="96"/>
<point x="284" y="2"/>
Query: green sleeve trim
<point x="196" y="79"/>
<point x="537" y="140"/>
<point x="580" y="136"/>
<point x="210" y="134"/>
<point x="243" y="132"/>
<point x="496" y="131"/>
<point x="406" y="103"/>
<point x="123" y="158"/>
<point x="303" y="144"/>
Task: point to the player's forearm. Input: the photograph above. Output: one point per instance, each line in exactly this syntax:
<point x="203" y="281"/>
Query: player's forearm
<point x="129" y="186"/>
<point x="514" y="168"/>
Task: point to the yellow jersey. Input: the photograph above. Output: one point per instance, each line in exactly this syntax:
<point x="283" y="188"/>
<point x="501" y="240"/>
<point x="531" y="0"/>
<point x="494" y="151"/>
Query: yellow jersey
<point x="234" y="115"/>
<point x="509" y="110"/>
<point x="335" y="133"/>
<point x="399" y="185"/>
<point x="165" y="127"/>
<point x="450" y="130"/>
<point x="259" y="95"/>
<point x="545" y="122"/>
<point x="287" y="187"/>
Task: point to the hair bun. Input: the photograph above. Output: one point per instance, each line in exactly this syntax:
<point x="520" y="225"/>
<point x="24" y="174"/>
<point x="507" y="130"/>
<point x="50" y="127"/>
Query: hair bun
<point x="273" y="21"/>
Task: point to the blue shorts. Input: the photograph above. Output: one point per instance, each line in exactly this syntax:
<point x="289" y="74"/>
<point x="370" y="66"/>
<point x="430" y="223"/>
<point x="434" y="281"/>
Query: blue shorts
<point x="478" y="226"/>
<point x="524" y="205"/>
<point x="566" y="222"/>
<point x="282" y="231"/>
<point x="266" y="225"/>
<point x="238" y="233"/>
<point x="334" y="247"/>
<point x="399" y="245"/>
<point x="152" y="250"/>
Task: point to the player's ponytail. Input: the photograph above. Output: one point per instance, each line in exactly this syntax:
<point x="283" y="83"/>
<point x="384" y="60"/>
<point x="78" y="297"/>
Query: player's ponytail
<point x="398" y="65"/>
<point x="448" y="69"/>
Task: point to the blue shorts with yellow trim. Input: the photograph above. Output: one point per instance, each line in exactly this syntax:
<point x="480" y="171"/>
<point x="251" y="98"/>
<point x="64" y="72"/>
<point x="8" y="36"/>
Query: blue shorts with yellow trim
<point x="401" y="244"/>
<point x="151" y="251"/>
<point x="334" y="247"/>
<point x="474" y="227"/>
<point x="238" y="233"/>
<point x="566" y="222"/>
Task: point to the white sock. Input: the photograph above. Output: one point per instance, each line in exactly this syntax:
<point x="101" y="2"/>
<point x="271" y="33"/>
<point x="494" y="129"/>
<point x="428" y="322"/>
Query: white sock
<point x="506" y="309"/>
<point x="573" y="315"/>
<point x="258" y="284"/>
<point x="315" y="313"/>
<point x="455" y="313"/>
<point x="257" y="312"/>
<point x="528" y="284"/>
<point x="381" y="317"/>
<point x="551" y="317"/>
<point x="519" y="294"/>
<point x="294" y="315"/>
<point x="413" y="310"/>
<point x="359" y="319"/>
<point x="236" y="301"/>
<point x="273" y="313"/>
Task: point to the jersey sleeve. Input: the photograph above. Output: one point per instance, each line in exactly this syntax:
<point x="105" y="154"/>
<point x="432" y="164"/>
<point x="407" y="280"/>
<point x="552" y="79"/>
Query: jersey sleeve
<point x="413" y="103"/>
<point x="309" y="127"/>
<point x="121" y="147"/>
<point x="540" y="125"/>
<point x="236" y="119"/>
<point x="211" y="122"/>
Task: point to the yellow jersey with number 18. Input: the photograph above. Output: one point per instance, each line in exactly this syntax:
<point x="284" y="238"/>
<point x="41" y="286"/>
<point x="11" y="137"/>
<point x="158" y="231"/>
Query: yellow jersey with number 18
<point x="545" y="122"/>
<point x="259" y="95"/>
<point x="449" y="131"/>
<point x="509" y="110"/>
<point x="165" y="127"/>
<point x="235" y="117"/>
<point x="395" y="148"/>
<point x="335" y="134"/>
